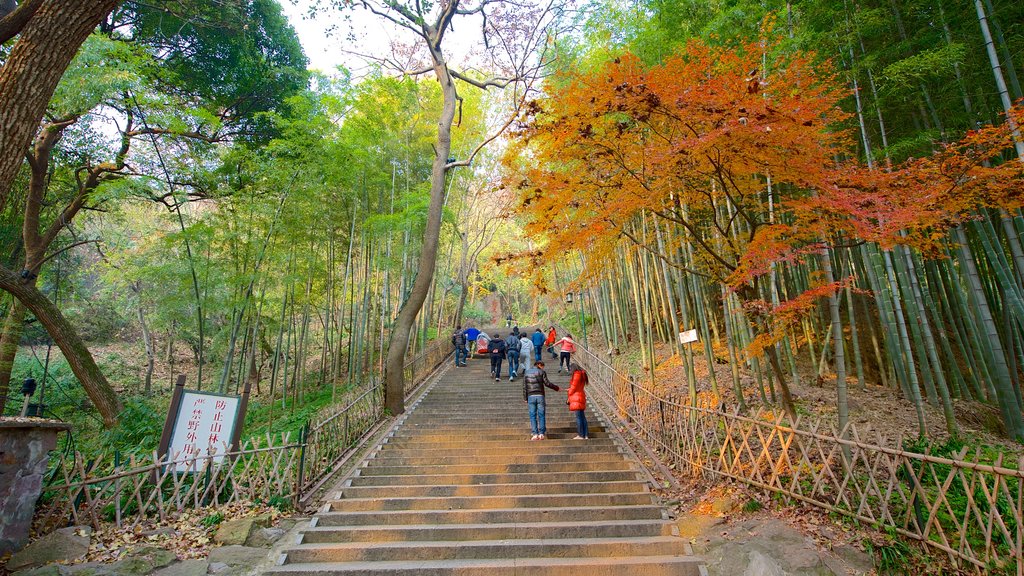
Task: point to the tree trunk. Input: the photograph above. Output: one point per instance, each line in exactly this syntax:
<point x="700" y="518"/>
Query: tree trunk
<point x="147" y="341"/>
<point x="14" y="326"/>
<point x="394" y="377"/>
<point x="28" y="78"/>
<point x="64" y="335"/>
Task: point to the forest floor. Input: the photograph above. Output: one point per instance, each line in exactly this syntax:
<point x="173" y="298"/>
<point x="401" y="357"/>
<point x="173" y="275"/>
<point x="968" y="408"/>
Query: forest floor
<point x="875" y="409"/>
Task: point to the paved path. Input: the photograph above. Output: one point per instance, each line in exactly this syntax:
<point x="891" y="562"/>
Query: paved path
<point x="459" y="488"/>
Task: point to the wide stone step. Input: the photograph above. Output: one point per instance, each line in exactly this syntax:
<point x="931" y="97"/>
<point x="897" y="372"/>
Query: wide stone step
<point x="523" y="439"/>
<point x="386" y="459"/>
<point x="492" y="516"/>
<point x="509" y="468"/>
<point x="450" y="490"/>
<point x="609" y="566"/>
<point x="510" y="435"/>
<point x="463" y="479"/>
<point x="491" y="502"/>
<point x="578" y="447"/>
<point x="468" y="532"/>
<point x="484" y="549"/>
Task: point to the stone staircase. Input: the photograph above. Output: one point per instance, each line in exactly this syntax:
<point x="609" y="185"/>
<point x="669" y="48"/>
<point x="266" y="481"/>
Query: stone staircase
<point x="458" y="488"/>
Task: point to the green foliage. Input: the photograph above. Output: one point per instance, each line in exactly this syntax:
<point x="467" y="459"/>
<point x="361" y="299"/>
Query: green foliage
<point x="102" y="68"/>
<point x="282" y="503"/>
<point x="138" y="428"/>
<point x="751" y="506"/>
<point x="959" y="501"/>
<point x="907" y="74"/>
<point x="212" y="519"/>
<point x="239" y="58"/>
<point x="475" y="314"/>
<point x="894" y="556"/>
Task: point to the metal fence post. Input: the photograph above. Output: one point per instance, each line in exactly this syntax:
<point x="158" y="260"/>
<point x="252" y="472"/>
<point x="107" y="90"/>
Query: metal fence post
<point x="303" y="437"/>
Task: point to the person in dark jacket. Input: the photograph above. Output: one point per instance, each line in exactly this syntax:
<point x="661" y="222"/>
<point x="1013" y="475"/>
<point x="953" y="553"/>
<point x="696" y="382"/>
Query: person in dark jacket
<point x="459" y="343"/>
<point x="496" y="348"/>
<point x="512" y="348"/>
<point x="534" y="381"/>
<point x="538" y="344"/>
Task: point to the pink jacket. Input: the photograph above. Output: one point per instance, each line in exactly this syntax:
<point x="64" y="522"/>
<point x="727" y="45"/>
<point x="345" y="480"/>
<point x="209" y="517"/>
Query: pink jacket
<point x="567" y="344"/>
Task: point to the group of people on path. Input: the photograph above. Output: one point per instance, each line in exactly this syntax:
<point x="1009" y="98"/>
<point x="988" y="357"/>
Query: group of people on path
<point x="518" y="349"/>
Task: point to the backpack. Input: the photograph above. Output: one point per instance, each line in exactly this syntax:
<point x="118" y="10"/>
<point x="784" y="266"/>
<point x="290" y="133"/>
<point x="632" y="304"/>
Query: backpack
<point x="496" y="346"/>
<point x="459" y="338"/>
<point x="513" y="344"/>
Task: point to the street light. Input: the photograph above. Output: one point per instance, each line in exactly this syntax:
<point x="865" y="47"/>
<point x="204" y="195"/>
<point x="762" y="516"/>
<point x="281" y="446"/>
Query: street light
<point x="579" y="312"/>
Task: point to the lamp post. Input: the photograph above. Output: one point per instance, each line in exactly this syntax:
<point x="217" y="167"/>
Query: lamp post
<point x="579" y="312"/>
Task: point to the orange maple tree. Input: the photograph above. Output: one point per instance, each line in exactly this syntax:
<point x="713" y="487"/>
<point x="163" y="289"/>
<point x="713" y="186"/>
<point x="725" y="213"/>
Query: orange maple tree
<point x="692" y="141"/>
<point x="703" y="140"/>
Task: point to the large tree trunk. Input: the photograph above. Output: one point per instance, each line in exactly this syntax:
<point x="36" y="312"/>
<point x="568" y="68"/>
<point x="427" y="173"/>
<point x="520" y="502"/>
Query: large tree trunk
<point x="41" y="54"/>
<point x="65" y="336"/>
<point x="394" y="380"/>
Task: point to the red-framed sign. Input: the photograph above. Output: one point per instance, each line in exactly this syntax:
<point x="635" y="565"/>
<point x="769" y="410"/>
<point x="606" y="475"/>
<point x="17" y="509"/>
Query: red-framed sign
<point x="202" y="424"/>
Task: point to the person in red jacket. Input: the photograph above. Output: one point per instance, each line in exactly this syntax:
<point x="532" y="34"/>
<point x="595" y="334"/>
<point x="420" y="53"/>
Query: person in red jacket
<point x="578" y="399"/>
<point x="552" y="336"/>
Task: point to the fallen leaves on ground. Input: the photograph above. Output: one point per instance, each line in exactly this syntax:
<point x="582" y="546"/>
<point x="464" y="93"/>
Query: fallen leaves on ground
<point x="185" y="533"/>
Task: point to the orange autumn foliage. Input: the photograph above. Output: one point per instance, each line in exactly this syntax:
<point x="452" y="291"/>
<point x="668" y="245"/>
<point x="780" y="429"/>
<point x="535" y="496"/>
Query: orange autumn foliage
<point x="695" y="142"/>
<point x="692" y="141"/>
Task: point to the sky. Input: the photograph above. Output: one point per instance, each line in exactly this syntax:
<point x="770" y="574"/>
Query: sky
<point x="334" y="37"/>
<point x="325" y="37"/>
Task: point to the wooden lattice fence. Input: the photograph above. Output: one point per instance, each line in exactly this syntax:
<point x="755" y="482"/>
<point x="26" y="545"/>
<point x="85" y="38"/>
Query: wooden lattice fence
<point x="126" y="491"/>
<point x="335" y="432"/>
<point x="970" y="510"/>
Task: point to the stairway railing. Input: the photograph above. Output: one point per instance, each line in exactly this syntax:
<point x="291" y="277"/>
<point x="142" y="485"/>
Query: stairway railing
<point x="331" y="435"/>
<point x="968" y="509"/>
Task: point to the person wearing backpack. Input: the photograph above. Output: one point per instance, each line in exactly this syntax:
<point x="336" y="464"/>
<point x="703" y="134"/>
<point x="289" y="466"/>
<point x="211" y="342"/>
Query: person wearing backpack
<point x="578" y="399"/>
<point x="512" y="347"/>
<point x="496" y="348"/>
<point x="538" y="344"/>
<point x="459" y="342"/>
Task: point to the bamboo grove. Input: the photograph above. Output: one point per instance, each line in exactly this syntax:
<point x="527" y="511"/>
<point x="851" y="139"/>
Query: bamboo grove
<point x="736" y="186"/>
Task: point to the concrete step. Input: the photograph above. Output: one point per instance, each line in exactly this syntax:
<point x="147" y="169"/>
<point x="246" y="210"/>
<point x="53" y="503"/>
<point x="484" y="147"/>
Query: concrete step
<point x="385" y="458"/>
<point x="468" y="532"/>
<point x="492" y="516"/>
<point x="578" y="447"/>
<point x="609" y="566"/>
<point x="491" y="502"/>
<point x="523" y="439"/>
<point x="450" y="490"/>
<point x="510" y="468"/>
<point x="476" y="479"/>
<point x="509" y="435"/>
<point x="484" y="549"/>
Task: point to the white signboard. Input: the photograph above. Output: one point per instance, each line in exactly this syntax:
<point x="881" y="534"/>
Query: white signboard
<point x="688" y="336"/>
<point x="204" y="425"/>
